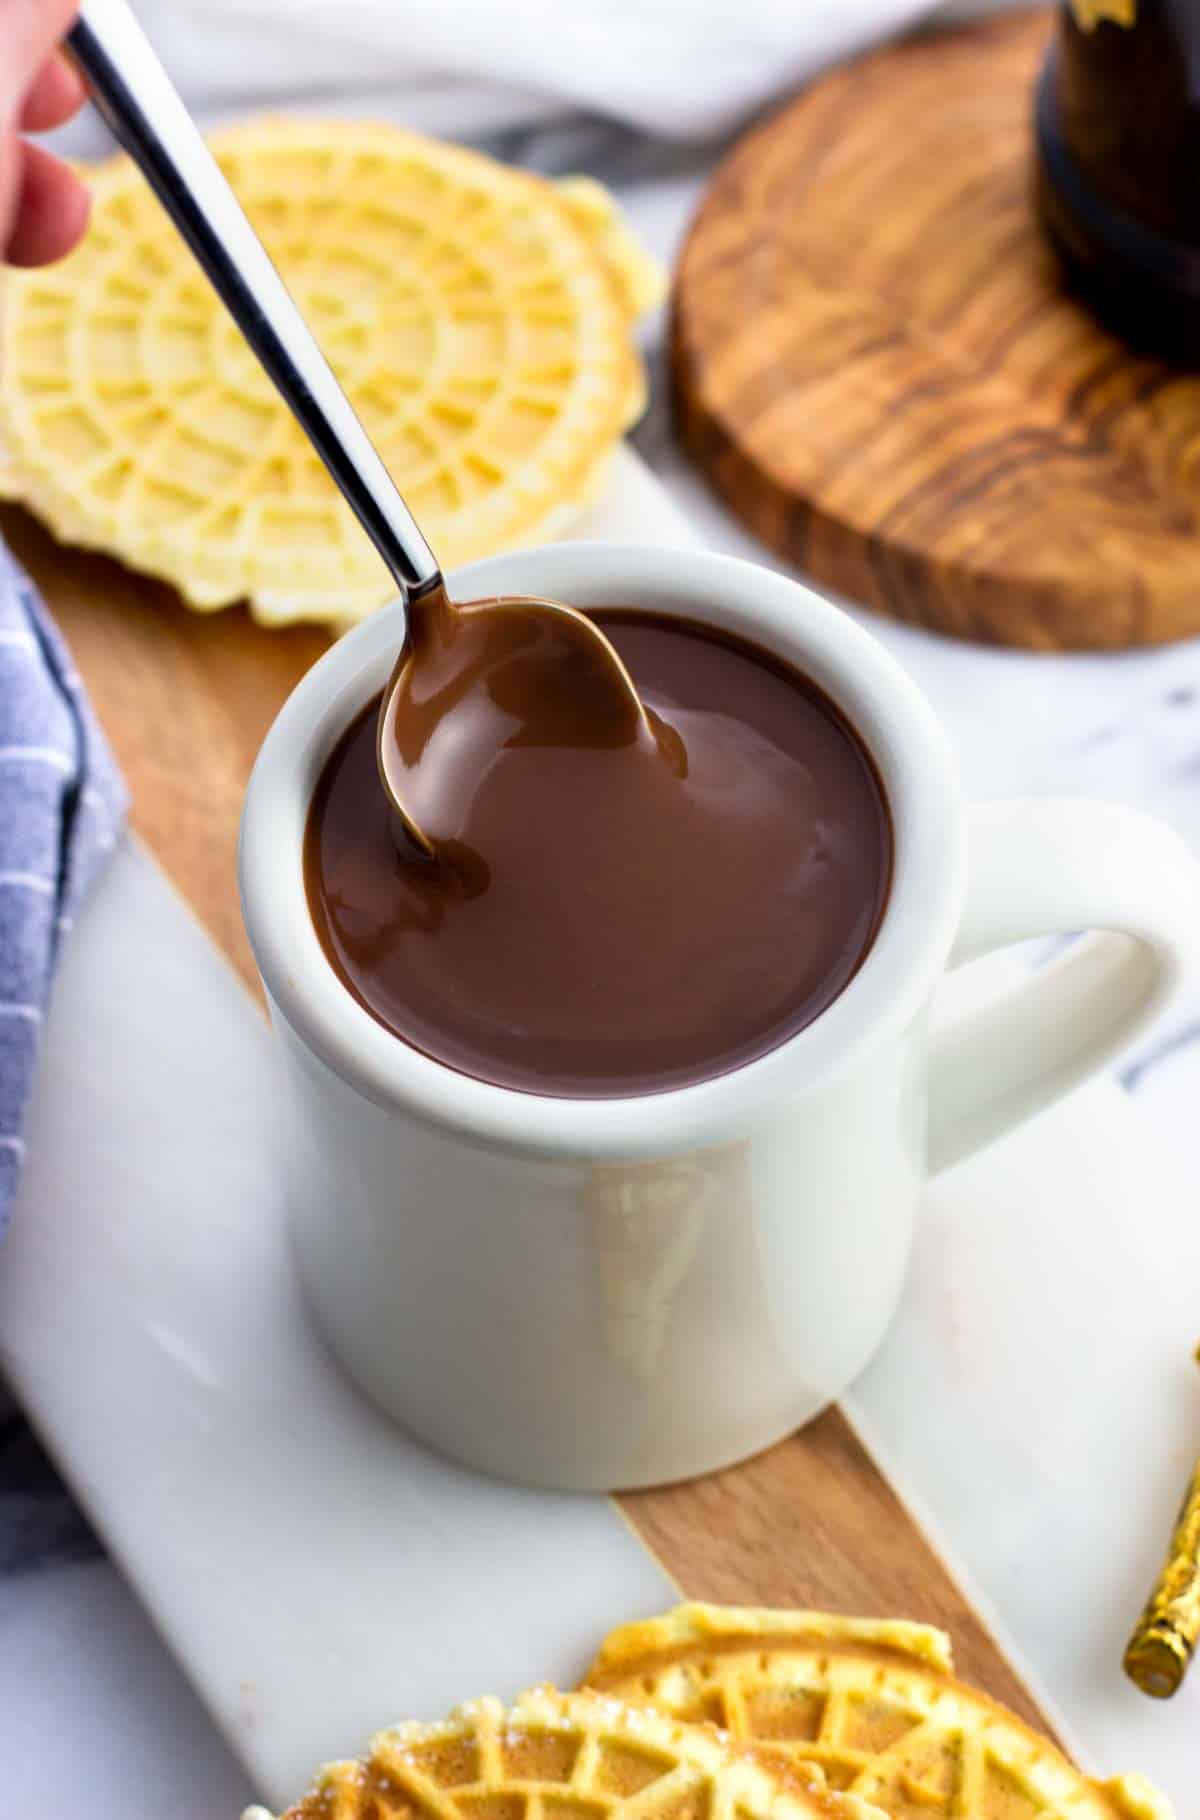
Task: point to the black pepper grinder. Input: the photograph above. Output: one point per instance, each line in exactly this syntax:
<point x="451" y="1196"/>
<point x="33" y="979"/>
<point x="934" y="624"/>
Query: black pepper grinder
<point x="1118" y="154"/>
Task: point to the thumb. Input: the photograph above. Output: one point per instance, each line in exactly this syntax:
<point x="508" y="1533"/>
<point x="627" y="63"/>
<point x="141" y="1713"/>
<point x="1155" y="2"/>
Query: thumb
<point x="29" y="31"/>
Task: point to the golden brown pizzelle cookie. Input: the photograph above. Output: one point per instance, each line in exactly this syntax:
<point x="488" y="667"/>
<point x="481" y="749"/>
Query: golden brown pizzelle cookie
<point x="874" y="1703"/>
<point x="555" y="1756"/>
<point x="479" y="317"/>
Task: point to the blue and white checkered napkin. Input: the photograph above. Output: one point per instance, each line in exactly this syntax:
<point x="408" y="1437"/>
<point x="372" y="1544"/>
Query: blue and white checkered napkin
<point x="62" y="803"/>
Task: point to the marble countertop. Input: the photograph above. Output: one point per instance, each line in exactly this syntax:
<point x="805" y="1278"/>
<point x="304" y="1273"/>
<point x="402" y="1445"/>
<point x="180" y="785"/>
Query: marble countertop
<point x="76" y="1651"/>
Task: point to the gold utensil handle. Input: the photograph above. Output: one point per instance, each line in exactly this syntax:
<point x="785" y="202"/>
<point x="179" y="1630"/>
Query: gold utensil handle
<point x="1165" y="1638"/>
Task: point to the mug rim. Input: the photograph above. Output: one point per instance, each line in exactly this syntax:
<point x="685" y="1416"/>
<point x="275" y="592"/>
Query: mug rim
<point x="895" y="978"/>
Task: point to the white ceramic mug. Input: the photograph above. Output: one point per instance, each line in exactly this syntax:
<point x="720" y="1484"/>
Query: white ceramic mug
<point x="614" y="1292"/>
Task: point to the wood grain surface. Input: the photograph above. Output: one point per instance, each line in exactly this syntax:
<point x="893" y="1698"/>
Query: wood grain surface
<point x="186" y="699"/>
<point x="814" y="1523"/>
<point x="878" y="367"/>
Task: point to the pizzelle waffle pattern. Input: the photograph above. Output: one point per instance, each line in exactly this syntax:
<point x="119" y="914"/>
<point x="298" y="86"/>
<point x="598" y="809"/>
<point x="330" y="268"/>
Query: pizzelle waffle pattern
<point x="874" y="1704"/>
<point x="479" y="318"/>
<point x="559" y="1756"/>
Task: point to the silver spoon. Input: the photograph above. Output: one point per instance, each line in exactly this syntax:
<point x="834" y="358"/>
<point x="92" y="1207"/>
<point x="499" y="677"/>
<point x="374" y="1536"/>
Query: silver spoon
<point x="140" y="104"/>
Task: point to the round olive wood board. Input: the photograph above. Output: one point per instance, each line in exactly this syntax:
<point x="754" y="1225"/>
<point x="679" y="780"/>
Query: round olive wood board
<point x="878" y="366"/>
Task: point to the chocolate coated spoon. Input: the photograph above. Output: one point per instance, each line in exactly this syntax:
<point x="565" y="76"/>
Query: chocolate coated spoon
<point x="147" y="116"/>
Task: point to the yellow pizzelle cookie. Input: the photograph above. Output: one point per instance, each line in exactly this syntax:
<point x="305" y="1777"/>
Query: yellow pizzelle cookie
<point x="556" y="1756"/>
<point x="479" y="317"/>
<point x="873" y="1703"/>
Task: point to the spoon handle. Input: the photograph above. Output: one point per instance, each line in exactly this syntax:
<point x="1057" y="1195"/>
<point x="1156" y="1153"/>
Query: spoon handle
<point x="145" y="112"/>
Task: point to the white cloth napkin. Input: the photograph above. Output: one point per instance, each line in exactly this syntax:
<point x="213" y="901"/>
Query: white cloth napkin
<point x="683" y="68"/>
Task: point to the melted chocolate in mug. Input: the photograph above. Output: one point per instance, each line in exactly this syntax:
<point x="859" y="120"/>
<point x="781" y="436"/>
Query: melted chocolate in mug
<point x="609" y="914"/>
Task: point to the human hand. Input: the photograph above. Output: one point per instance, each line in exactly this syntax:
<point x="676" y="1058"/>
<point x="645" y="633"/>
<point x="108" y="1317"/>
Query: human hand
<point x="43" y="205"/>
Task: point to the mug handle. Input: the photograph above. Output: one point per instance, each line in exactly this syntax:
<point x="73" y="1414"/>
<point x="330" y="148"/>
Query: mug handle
<point x="1050" y="867"/>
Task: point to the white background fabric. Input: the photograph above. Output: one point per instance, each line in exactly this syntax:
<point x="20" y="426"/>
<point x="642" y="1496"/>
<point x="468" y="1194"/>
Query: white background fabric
<point x="682" y="68"/>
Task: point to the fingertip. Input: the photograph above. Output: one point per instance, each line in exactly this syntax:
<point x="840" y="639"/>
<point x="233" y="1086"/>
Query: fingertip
<point x="52" y="210"/>
<point x="30" y="29"/>
<point x="57" y="93"/>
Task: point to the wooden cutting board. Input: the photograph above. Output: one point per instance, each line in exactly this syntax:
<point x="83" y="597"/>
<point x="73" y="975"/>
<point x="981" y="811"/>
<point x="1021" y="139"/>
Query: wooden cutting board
<point x="186" y="700"/>
<point x="879" y="369"/>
